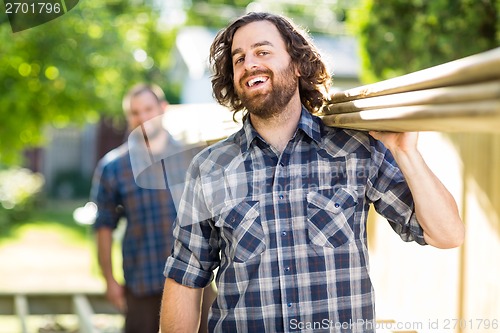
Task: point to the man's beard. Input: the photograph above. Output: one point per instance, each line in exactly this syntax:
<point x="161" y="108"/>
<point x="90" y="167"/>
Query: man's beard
<point x="271" y="103"/>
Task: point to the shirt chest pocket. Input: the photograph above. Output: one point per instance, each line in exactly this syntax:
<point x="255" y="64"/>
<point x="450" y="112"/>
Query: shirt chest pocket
<point x="330" y="215"/>
<point x="242" y="231"/>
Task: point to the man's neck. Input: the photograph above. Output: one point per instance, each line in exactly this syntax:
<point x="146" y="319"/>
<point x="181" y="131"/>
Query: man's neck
<point x="279" y="129"/>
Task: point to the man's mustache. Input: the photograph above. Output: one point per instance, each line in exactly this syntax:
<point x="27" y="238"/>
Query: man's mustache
<point x="255" y="73"/>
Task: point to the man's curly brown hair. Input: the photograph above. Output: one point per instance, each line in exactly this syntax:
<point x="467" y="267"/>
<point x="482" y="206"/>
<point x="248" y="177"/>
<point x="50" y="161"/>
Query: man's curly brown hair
<point x="314" y="81"/>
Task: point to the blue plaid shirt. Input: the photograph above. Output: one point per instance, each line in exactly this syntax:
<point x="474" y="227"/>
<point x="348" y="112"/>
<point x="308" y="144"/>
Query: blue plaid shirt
<point x="287" y="231"/>
<point x="150" y="215"/>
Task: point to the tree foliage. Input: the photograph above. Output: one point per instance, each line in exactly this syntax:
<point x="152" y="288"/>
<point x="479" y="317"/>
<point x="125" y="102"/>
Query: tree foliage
<point x="326" y="16"/>
<point x="402" y="36"/>
<point x="77" y="67"/>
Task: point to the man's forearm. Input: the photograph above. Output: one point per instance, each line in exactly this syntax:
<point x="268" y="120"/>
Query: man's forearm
<point x="181" y="308"/>
<point x="435" y="207"/>
<point x="104" y="243"/>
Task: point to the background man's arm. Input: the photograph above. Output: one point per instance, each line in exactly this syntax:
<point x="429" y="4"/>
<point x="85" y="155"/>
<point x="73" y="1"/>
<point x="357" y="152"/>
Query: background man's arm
<point x="114" y="291"/>
<point x="181" y="308"/>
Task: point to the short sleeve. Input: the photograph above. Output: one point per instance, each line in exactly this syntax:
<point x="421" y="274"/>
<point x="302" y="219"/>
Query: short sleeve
<point x="105" y="195"/>
<point x="196" y="253"/>
<point x="391" y="196"/>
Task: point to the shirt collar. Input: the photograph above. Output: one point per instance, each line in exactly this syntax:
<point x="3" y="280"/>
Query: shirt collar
<point x="309" y="124"/>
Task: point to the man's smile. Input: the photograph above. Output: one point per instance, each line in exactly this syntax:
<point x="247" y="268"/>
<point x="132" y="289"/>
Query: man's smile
<point x="256" y="81"/>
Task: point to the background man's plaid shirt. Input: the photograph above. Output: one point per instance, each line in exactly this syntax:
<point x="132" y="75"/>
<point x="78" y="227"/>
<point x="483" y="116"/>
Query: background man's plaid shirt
<point x="150" y="212"/>
<point x="288" y="232"/>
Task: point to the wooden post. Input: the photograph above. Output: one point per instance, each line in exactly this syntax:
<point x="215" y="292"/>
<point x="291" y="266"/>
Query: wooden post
<point x="22" y="311"/>
<point x="84" y="311"/>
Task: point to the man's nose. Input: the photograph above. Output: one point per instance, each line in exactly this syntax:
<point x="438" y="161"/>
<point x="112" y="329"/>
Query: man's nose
<point x="251" y="62"/>
<point x="144" y="117"/>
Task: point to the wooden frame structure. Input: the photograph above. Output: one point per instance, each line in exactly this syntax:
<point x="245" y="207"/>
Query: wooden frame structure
<point x="83" y="304"/>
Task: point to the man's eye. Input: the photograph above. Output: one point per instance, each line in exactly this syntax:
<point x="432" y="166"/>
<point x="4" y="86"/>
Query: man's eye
<point x="238" y="60"/>
<point x="263" y="53"/>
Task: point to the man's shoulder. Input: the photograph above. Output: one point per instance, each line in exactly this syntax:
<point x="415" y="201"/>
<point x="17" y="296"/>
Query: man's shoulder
<point x="347" y="140"/>
<point x="115" y="156"/>
<point x="221" y="152"/>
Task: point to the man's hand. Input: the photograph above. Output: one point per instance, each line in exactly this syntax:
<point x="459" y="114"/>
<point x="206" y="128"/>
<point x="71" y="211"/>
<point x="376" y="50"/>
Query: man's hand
<point x="115" y="293"/>
<point x="405" y="142"/>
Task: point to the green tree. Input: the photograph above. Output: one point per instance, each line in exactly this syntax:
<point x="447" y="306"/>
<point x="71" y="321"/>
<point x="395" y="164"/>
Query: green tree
<point x="325" y="16"/>
<point x="402" y="36"/>
<point x="77" y="67"/>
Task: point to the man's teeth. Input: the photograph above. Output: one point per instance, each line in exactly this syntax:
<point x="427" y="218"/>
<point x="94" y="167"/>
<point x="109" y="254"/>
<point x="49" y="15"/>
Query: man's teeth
<point x="256" y="80"/>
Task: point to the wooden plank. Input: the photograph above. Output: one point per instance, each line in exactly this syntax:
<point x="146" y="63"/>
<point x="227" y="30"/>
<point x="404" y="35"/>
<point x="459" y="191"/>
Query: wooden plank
<point x="477" y="116"/>
<point x="84" y="305"/>
<point x="22" y="311"/>
<point x="49" y="303"/>
<point x="444" y="95"/>
<point x="100" y="304"/>
<point x="84" y="312"/>
<point x="476" y="68"/>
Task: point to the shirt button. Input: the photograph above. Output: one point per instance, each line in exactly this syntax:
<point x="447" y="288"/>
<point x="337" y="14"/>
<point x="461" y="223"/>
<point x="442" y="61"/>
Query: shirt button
<point x="289" y="305"/>
<point x="282" y="164"/>
<point x="283" y="233"/>
<point x="337" y="205"/>
<point x="281" y="196"/>
<point x="287" y="269"/>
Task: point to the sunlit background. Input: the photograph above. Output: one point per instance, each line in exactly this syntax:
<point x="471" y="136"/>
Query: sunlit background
<point x="61" y="86"/>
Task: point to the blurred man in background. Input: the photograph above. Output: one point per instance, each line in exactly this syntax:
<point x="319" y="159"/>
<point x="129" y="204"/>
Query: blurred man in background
<point x="147" y="205"/>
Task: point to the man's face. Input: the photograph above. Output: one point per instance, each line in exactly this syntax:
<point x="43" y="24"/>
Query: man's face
<point x="264" y="77"/>
<point x="143" y="107"/>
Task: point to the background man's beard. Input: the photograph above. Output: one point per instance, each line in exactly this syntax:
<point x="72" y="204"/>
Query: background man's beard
<point x="268" y="105"/>
<point x="153" y="127"/>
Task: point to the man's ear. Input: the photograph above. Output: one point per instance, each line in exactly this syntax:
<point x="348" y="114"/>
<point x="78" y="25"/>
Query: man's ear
<point x="297" y="70"/>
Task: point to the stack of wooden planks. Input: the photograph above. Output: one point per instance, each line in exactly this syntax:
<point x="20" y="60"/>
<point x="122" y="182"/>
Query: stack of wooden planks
<point x="458" y="96"/>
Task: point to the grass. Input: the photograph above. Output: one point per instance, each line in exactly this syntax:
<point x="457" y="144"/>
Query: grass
<point x="53" y="215"/>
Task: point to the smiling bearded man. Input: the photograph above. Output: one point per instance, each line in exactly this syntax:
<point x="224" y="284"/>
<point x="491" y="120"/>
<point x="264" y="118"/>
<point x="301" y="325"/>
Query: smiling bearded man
<point x="279" y="208"/>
